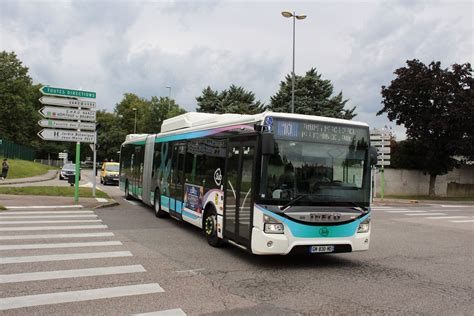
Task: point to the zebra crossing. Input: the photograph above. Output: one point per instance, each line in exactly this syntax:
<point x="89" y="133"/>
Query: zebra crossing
<point x="25" y="244"/>
<point x="456" y="214"/>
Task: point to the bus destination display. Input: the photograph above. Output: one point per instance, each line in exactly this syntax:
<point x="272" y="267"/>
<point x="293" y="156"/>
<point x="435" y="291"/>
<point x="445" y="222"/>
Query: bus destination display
<point x="318" y="131"/>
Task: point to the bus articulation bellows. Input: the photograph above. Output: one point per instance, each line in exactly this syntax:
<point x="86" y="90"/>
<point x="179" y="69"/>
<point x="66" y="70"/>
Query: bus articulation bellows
<point x="271" y="183"/>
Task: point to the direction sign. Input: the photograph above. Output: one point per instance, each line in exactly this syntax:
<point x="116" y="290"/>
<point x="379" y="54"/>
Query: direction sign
<point x="66" y="135"/>
<point x="384" y="157"/>
<point x="380" y="137"/>
<point x="385" y="162"/>
<point x="383" y="150"/>
<point x="67" y="92"/>
<point x="67" y="124"/>
<point x="380" y="143"/>
<point x="67" y="102"/>
<point x="67" y="114"/>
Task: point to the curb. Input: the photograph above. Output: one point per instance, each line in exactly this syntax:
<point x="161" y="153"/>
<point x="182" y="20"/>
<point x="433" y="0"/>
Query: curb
<point x="110" y="204"/>
<point x="30" y="181"/>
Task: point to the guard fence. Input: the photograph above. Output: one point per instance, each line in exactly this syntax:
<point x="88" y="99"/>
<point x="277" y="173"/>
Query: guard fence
<point x="12" y="150"/>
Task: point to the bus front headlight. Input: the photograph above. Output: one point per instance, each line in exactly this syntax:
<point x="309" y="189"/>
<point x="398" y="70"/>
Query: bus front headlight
<point x="272" y="226"/>
<point x="364" y="226"/>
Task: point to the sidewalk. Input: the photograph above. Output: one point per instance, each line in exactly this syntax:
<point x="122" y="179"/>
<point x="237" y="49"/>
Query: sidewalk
<point x="51" y="174"/>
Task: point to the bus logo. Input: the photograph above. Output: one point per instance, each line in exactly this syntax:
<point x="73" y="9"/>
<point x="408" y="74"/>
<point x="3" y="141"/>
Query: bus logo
<point x="218" y="176"/>
<point x="324" y="232"/>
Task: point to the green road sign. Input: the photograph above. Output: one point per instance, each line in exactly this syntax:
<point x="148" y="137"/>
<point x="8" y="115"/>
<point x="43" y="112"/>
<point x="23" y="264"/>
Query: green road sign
<point x="67" y="92"/>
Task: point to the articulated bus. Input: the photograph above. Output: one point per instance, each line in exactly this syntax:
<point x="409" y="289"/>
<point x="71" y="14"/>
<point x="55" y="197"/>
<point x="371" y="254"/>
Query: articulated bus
<point x="270" y="183"/>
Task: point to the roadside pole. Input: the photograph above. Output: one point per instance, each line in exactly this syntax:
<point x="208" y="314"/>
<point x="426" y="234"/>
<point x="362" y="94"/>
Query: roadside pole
<point x="78" y="166"/>
<point x="382" y="180"/>
<point x="94" y="171"/>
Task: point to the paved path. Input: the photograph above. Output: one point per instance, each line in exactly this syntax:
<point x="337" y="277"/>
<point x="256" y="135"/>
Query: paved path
<point x="51" y="174"/>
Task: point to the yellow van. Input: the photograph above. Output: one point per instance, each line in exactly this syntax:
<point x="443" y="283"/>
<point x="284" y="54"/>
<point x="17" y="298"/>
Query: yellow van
<point x="109" y="173"/>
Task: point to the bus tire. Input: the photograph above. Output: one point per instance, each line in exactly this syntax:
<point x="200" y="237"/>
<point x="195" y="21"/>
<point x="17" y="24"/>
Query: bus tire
<point x="127" y="192"/>
<point x="210" y="227"/>
<point x="157" y="206"/>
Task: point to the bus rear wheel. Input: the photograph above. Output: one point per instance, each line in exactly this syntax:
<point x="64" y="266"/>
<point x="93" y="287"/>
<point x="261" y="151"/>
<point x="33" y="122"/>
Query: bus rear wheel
<point x="158" y="211"/>
<point x="210" y="228"/>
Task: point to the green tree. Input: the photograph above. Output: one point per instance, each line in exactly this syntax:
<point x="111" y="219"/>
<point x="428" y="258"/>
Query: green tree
<point x="129" y="108"/>
<point x="313" y="96"/>
<point x="435" y="105"/>
<point x="17" y="113"/>
<point x="161" y="108"/>
<point x="233" y="100"/>
<point x="109" y="136"/>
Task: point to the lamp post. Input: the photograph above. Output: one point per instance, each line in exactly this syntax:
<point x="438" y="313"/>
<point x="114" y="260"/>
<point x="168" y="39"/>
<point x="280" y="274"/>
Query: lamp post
<point x="135" y="124"/>
<point x="169" y="99"/>
<point x="288" y="14"/>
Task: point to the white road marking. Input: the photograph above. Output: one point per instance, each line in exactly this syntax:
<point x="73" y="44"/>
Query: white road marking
<point x="66" y="257"/>
<point x="43" y="207"/>
<point x="78" y="296"/>
<point x="406" y="211"/>
<point x="456" y="206"/>
<point x="168" y="312"/>
<point x="463" y="221"/>
<point x="54" y="236"/>
<point x="61" y="245"/>
<point x="48" y="216"/>
<point x="65" y="274"/>
<point x="424" y="214"/>
<point x="393" y="209"/>
<point x="7" y="213"/>
<point x="51" y="222"/>
<point x="447" y="217"/>
<point x="11" y="229"/>
<point x="101" y="200"/>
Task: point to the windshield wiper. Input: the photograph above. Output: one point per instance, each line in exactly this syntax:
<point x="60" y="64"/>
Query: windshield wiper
<point x="299" y="197"/>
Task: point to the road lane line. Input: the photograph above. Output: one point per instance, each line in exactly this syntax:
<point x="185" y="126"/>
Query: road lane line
<point x="54" y="236"/>
<point x="424" y="214"/>
<point x="406" y="211"/>
<point x="61" y="245"/>
<point x="7" y="213"/>
<point x="48" y="216"/>
<point x="447" y="217"/>
<point x="78" y="296"/>
<point x="456" y="206"/>
<point x="168" y="312"/>
<point x="43" y="207"/>
<point x="65" y="257"/>
<point x="463" y="221"/>
<point x="66" y="227"/>
<point x="132" y="202"/>
<point x="52" y="221"/>
<point x="101" y="200"/>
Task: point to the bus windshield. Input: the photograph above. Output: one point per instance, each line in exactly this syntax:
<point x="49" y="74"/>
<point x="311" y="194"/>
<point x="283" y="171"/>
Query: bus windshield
<point x="325" y="171"/>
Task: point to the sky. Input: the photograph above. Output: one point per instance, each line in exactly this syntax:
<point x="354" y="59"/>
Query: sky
<point x="117" y="46"/>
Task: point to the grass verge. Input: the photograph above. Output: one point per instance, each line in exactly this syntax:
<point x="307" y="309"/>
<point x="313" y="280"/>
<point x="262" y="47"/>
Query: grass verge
<point x="427" y="197"/>
<point x="25" y="169"/>
<point x="51" y="191"/>
<point x="2" y="208"/>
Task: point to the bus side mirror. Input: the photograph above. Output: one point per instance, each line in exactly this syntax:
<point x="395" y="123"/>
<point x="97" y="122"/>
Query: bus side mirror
<point x="373" y="155"/>
<point x="268" y="144"/>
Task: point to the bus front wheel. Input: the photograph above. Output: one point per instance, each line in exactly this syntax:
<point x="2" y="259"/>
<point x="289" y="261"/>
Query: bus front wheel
<point x="210" y="228"/>
<point x="158" y="211"/>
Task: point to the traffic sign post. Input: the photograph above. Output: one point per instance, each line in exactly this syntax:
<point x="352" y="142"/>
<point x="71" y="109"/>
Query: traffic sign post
<point x="70" y="129"/>
<point x="381" y="140"/>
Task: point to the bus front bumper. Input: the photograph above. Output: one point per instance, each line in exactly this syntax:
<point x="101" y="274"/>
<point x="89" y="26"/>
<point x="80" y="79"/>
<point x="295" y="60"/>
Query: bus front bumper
<point x="282" y="244"/>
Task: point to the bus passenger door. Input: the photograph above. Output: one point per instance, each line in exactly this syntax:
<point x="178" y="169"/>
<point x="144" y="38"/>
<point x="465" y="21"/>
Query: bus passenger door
<point x="177" y="180"/>
<point x="238" y="208"/>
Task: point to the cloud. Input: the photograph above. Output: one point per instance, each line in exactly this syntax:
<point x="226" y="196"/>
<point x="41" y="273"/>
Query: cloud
<point x="114" y="47"/>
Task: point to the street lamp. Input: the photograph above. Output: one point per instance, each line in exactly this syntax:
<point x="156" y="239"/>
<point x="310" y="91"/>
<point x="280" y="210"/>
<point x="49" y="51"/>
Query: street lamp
<point x="135" y="124"/>
<point x="169" y="99"/>
<point x="288" y="14"/>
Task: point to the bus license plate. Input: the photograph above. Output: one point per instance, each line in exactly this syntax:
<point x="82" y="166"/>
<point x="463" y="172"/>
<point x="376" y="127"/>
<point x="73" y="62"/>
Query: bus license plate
<point x="321" y="249"/>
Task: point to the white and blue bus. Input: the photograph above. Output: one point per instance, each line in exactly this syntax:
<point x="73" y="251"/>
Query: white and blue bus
<point x="271" y="183"/>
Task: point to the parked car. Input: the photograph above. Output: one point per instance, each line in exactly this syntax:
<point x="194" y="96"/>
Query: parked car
<point x="109" y="173"/>
<point x="67" y="170"/>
